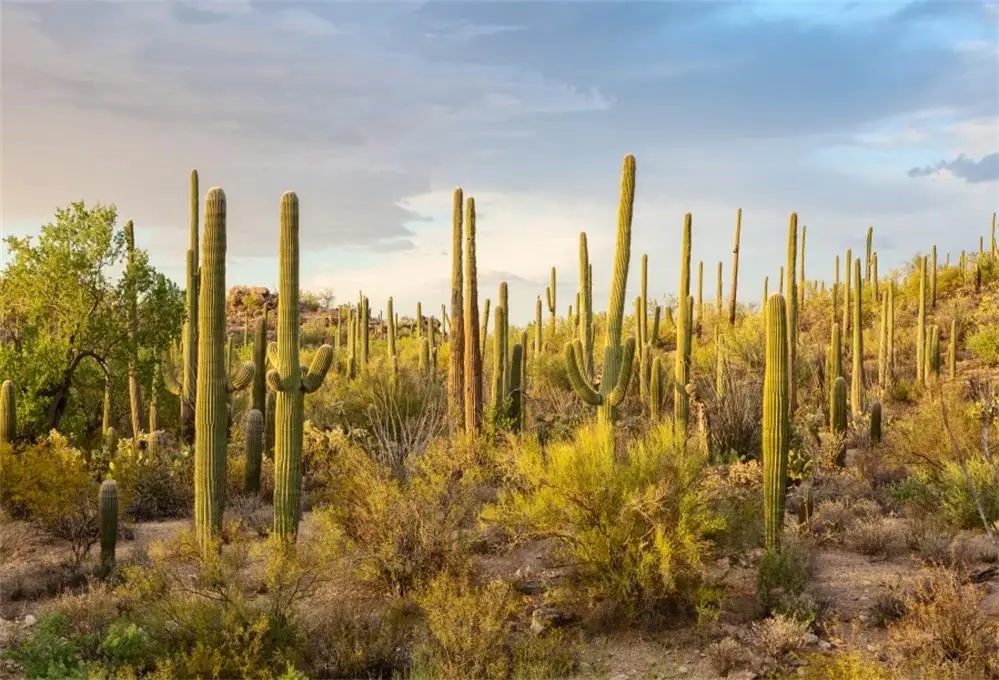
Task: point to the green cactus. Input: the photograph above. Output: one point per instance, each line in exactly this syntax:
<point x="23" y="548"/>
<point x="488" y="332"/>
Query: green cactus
<point x="657" y="378"/>
<point x="681" y="371"/>
<point x="419" y="320"/>
<point x="189" y="347"/>
<point x="857" y="375"/>
<point x="801" y="267"/>
<point x="473" y="353"/>
<point x="516" y="412"/>
<point x="269" y="424"/>
<point x="848" y="276"/>
<point x="259" y="392"/>
<point x="837" y="407"/>
<point x="550" y="299"/>
<point x="835" y="353"/>
<point x="499" y="362"/>
<point x="780" y="279"/>
<point x="933" y="353"/>
<point x="883" y="344"/>
<point x="718" y="293"/>
<point x="538" y="338"/>
<point x="876" y="422"/>
<point x="890" y="351"/>
<point x="875" y="281"/>
<point x="288" y="379"/>
<point x="791" y="303"/>
<point x="584" y="308"/>
<point x="867" y="260"/>
<point x="766" y="294"/>
<point x="485" y="327"/>
<point x="921" y="325"/>
<point x="933" y="278"/>
<point x="131" y="295"/>
<point x="735" y="269"/>
<point x="835" y="295"/>
<point x="425" y="363"/>
<point x="107" y="504"/>
<point x="214" y="384"/>
<point x="776" y="428"/>
<point x="364" y="328"/>
<point x="8" y="413"/>
<point x="618" y="359"/>
<point x="951" y="351"/>
<point x="154" y="401"/>
<point x="504" y="302"/>
<point x="700" y="298"/>
<point x="253" y="447"/>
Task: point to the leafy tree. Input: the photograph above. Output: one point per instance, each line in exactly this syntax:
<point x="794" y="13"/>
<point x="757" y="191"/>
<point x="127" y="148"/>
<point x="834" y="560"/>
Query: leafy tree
<point x="65" y="321"/>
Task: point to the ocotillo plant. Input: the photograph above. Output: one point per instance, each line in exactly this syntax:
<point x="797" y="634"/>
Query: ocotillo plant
<point x="921" y="325"/>
<point x="288" y="379"/>
<point x="550" y="298"/>
<point x="473" y="353"/>
<point x="617" y="358"/>
<point x="681" y="369"/>
<point x="735" y="269"/>
<point x="456" y="341"/>
<point x="8" y="413"/>
<point x="107" y="502"/>
<point x="776" y="429"/>
<point x="584" y="309"/>
<point x="253" y="448"/>
<point x="857" y="375"/>
<point x="791" y="304"/>
<point x="214" y="386"/>
<point x="876" y="422"/>
<point x="259" y="401"/>
<point x="131" y="295"/>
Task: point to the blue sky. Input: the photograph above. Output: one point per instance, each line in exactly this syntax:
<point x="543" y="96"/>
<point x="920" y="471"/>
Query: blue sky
<point x="851" y="113"/>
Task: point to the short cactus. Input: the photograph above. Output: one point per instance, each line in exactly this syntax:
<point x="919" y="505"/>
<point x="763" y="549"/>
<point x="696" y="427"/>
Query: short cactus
<point x="837" y="407"/>
<point x="876" y="422"/>
<point x="776" y="429"/>
<point x="8" y="413"/>
<point x="253" y="446"/>
<point x="107" y="502"/>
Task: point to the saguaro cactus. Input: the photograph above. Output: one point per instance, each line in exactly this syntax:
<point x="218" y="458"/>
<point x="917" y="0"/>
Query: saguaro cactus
<point x="473" y="353"/>
<point x="933" y="277"/>
<point x="681" y="368"/>
<point x="801" y="267"/>
<point x="883" y="344"/>
<point x="516" y="412"/>
<point x="876" y="422"/>
<point x="214" y="384"/>
<point x="8" y="413"/>
<point x="921" y="325"/>
<point x="269" y="425"/>
<point x="847" y="264"/>
<point x="867" y="259"/>
<point x="538" y="338"/>
<point x="775" y="420"/>
<point x="288" y="379"/>
<point x="585" y="308"/>
<point x="499" y="364"/>
<point x="791" y="302"/>
<point x="951" y="351"/>
<point x="131" y="294"/>
<point x="550" y="298"/>
<point x="189" y="345"/>
<point x="857" y="375"/>
<point x="259" y="401"/>
<point x="107" y="502"/>
<point x="253" y="447"/>
<point x="656" y="379"/>
<point x="735" y="268"/>
<point x="617" y="358"/>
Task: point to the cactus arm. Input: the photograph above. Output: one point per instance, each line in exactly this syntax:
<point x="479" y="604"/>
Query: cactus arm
<point x="272" y="354"/>
<point x="274" y="380"/>
<point x="571" y="354"/>
<point x="170" y="377"/>
<point x="241" y="378"/>
<point x="624" y="377"/>
<point x="313" y="377"/>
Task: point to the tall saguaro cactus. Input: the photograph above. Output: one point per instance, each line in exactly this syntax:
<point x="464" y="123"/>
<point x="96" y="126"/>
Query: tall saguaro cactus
<point x="499" y="364"/>
<point x="681" y="369"/>
<point x="214" y="384"/>
<point x="551" y="299"/>
<point x="253" y="447"/>
<point x="473" y="352"/>
<point x="921" y="325"/>
<point x="189" y="349"/>
<point x="456" y="339"/>
<point x="289" y="381"/>
<point x="735" y="268"/>
<point x="857" y="376"/>
<point x="585" y="308"/>
<point x="791" y="302"/>
<point x="617" y="358"/>
<point x="848" y="280"/>
<point x="131" y="294"/>
<point x="259" y="401"/>
<point x="8" y="413"/>
<point x="776" y="428"/>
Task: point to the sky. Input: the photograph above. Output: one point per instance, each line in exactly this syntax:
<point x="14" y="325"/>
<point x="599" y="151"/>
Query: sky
<point x="851" y="113"/>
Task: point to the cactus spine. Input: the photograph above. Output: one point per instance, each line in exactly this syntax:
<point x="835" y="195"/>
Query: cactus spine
<point x="8" y="413"/>
<point x="735" y="268"/>
<point x="473" y="354"/>
<point x="131" y="295"/>
<point x="288" y="379"/>
<point x="857" y="376"/>
<point x="681" y="369"/>
<point x="921" y="326"/>
<point x="776" y="404"/>
<point x="617" y="358"/>
<point x="876" y="422"/>
<point x="456" y="340"/>
<point x="107" y="502"/>
<point x="253" y="447"/>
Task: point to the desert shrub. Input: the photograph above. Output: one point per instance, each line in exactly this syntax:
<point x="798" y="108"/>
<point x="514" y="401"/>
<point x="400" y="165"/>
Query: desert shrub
<point x="781" y="579"/>
<point x="778" y="635"/>
<point x="877" y="536"/>
<point x="405" y="417"/>
<point x="470" y="634"/>
<point x="47" y="652"/>
<point x="399" y="533"/>
<point x="738" y="488"/>
<point x="734" y="415"/>
<point x="635" y="524"/>
<point x="154" y="484"/>
<point x="834" y="518"/>
<point x="850" y="665"/>
<point x="945" y="626"/>
<point x="558" y="412"/>
<point x="726" y="655"/>
<point x="48" y="483"/>
<point x="984" y="344"/>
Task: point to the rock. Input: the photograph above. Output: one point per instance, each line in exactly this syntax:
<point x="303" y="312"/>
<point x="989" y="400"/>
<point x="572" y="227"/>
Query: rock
<point x="744" y="674"/>
<point x="529" y="586"/>
<point x="29" y="620"/>
<point x="810" y="638"/>
<point x="549" y="617"/>
<point x="682" y="670"/>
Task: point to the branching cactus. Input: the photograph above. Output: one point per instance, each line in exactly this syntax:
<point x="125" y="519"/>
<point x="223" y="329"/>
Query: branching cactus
<point x="214" y="383"/>
<point x="253" y="447"/>
<point x="289" y="381"/>
<point x="617" y="357"/>
<point x="776" y="429"/>
<point x="8" y="413"/>
<point x="107" y="509"/>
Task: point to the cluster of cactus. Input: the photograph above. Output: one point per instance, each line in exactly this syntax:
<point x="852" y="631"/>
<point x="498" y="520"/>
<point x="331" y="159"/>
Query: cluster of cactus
<point x="644" y="338"/>
<point x="8" y="413"/>
<point x="618" y="358"/>
<point x="776" y="427"/>
<point x="288" y="379"/>
<point x="214" y="383"/>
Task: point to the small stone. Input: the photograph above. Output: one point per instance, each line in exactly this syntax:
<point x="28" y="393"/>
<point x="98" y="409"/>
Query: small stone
<point x="28" y="621"/>
<point x="682" y="670"/>
<point x="744" y="674"/>
<point x="810" y="638"/>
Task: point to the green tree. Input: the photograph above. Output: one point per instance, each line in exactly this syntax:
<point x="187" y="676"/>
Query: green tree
<point x="64" y="312"/>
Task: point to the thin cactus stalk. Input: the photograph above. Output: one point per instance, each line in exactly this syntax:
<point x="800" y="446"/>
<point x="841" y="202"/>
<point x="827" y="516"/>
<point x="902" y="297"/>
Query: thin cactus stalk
<point x="890" y="353"/>
<point x="504" y="302"/>
<point x="538" y="335"/>
<point x="516" y="412"/>
<point x="836" y="353"/>
<point x="933" y="352"/>
<point x="425" y="363"/>
<point x="391" y="328"/>
<point x="766" y="293"/>
<point x="835" y="294"/>
<point x="780" y="279"/>
<point x="8" y="413"/>
<point x="883" y="344"/>
<point x="189" y="350"/>
<point x="857" y="375"/>
<point x="551" y="300"/>
<point x="801" y="267"/>
<point x="456" y="340"/>
<point x="952" y="351"/>
<point x="269" y="425"/>
<point x="473" y="354"/>
<point x="444" y="321"/>
<point x="719" y="364"/>
<point x="776" y="429"/>
<point x="253" y="447"/>
<point x="131" y="294"/>
<point x="419" y="320"/>
<point x="875" y="281"/>
<point x="584" y="308"/>
<point x="656" y="380"/>
<point x="365" y="330"/>
<point x="288" y="379"/>
<point x="499" y="363"/>
<point x="106" y="409"/>
<point x="791" y="304"/>
<point x="618" y="358"/>
<point x="735" y="269"/>
<point x="485" y="327"/>
<point x="933" y="278"/>
<point x="876" y="434"/>
<point x="848" y="279"/>
<point x="259" y="400"/>
<point x="921" y="326"/>
<point x="867" y="259"/>
<point x="107" y="510"/>
<point x="681" y="369"/>
<point x="718" y="293"/>
<point x="700" y="297"/>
